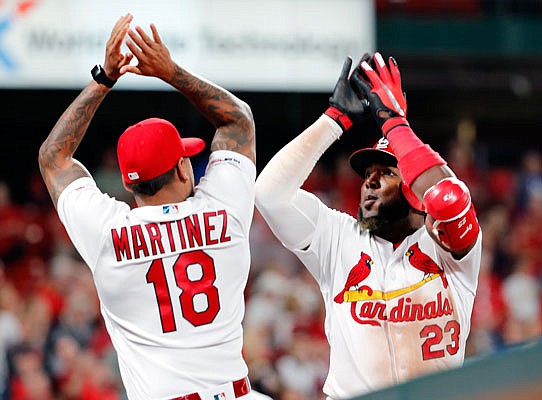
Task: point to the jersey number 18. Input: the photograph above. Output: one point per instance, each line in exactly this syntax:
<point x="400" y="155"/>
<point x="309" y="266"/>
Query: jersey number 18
<point x="190" y="288"/>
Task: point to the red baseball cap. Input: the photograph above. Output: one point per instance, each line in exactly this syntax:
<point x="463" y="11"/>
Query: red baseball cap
<point x="383" y="153"/>
<point x="380" y="152"/>
<point x="152" y="147"/>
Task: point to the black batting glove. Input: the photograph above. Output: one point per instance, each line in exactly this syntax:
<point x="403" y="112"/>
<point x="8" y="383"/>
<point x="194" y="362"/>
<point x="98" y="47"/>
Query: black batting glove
<point x="346" y="107"/>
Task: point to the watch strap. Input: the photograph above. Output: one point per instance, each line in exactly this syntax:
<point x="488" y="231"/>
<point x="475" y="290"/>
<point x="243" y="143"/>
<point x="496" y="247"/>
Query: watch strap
<point x="99" y="75"/>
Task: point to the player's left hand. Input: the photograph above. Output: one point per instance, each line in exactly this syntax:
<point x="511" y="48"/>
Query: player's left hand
<point x="114" y="58"/>
<point x="346" y="107"/>
<point x="153" y="57"/>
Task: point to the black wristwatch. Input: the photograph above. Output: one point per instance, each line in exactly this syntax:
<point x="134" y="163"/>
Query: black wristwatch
<point x="99" y="76"/>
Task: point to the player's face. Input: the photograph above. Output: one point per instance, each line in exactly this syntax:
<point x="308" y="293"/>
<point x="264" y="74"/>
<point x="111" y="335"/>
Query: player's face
<point x="382" y="201"/>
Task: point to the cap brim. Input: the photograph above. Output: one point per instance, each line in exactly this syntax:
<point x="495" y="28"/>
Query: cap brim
<point x="192" y="146"/>
<point x="361" y="159"/>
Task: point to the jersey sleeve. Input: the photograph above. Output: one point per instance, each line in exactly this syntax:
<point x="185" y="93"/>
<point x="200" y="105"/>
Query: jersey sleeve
<point x="229" y="180"/>
<point x="323" y="254"/>
<point x="466" y="269"/>
<point x="463" y="273"/>
<point x="86" y="213"/>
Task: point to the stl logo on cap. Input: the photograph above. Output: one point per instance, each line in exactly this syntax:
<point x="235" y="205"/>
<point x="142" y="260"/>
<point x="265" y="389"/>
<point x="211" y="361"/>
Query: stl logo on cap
<point x="382" y="144"/>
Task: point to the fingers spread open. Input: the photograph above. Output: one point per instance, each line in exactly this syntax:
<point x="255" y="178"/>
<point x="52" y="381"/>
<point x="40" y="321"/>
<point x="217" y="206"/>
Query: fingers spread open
<point x="134" y="48"/>
<point x="395" y="74"/>
<point x="146" y="40"/>
<point x="382" y="69"/>
<point x="137" y="41"/>
<point x="372" y="76"/>
<point x="155" y="34"/>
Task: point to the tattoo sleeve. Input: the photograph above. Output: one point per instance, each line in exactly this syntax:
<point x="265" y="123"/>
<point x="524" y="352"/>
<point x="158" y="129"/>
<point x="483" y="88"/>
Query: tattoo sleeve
<point x="56" y="162"/>
<point x="231" y="116"/>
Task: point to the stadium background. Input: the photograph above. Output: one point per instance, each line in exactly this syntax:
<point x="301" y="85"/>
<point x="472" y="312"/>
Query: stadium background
<point x="472" y="73"/>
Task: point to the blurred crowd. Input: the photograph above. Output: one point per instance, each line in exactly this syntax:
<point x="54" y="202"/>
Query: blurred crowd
<point x="53" y="344"/>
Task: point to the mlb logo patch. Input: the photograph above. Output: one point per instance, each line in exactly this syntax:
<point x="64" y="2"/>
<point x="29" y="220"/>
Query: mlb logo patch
<point x="170" y="209"/>
<point x="220" y="396"/>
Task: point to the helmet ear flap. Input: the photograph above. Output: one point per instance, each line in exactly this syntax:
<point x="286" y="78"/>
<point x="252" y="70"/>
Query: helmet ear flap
<point x="412" y="199"/>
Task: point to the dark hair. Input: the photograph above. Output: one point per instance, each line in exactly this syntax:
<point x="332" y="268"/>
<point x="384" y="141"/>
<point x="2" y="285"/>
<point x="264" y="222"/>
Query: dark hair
<point x="152" y="186"/>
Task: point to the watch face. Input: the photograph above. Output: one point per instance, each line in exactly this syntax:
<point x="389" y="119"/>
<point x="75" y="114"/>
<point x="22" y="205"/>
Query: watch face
<point x="95" y="71"/>
<point x="98" y="74"/>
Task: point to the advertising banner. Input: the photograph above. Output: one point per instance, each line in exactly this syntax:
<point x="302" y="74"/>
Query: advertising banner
<point x="252" y="45"/>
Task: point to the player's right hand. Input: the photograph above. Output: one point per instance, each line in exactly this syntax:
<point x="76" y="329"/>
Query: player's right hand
<point x="381" y="85"/>
<point x="345" y="106"/>
<point x="153" y="57"/>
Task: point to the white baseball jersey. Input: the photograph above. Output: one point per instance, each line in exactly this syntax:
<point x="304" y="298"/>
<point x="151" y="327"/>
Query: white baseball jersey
<point x="171" y="278"/>
<point x="391" y="314"/>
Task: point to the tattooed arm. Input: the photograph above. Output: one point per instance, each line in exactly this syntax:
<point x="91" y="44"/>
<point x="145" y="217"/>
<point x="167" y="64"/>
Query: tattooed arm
<point x="57" y="165"/>
<point x="231" y="116"/>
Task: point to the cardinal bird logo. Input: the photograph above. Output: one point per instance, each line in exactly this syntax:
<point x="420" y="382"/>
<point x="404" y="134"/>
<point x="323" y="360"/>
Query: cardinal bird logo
<point x="424" y="263"/>
<point x="357" y="274"/>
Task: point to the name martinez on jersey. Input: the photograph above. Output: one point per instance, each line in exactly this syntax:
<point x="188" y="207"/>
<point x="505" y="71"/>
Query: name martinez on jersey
<point x="196" y="230"/>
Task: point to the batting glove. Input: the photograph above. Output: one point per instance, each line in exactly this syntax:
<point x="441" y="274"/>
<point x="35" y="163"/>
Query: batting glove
<point x="381" y="85"/>
<point x="346" y="107"/>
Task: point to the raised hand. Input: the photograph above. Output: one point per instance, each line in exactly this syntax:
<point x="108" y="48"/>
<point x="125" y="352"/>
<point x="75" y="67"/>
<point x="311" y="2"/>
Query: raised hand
<point x="345" y="106"/>
<point x="153" y="57"/>
<point x="382" y="88"/>
<point x="114" y="58"/>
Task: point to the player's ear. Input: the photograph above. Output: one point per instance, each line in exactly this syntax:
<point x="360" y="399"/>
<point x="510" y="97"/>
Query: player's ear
<point x="126" y="187"/>
<point x="181" y="170"/>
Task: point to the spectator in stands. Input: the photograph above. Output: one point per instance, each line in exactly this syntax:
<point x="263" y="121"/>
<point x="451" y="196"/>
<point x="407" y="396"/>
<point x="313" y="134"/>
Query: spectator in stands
<point x="529" y="177"/>
<point x="490" y="308"/>
<point x="29" y="380"/>
<point x="522" y="295"/>
<point x="10" y="327"/>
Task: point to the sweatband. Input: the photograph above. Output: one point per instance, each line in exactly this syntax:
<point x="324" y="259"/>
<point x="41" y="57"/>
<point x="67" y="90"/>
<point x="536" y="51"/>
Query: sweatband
<point x="392" y="123"/>
<point x="413" y="156"/>
<point x="339" y="117"/>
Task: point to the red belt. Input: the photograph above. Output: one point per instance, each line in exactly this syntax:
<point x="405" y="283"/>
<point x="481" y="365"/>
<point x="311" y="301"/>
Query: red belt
<point x="240" y="388"/>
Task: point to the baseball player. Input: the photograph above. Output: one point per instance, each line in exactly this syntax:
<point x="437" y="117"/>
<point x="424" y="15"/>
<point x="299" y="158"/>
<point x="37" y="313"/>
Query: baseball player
<point x="399" y="282"/>
<point x="171" y="272"/>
